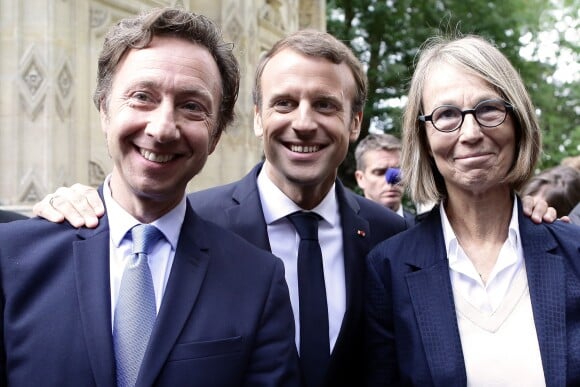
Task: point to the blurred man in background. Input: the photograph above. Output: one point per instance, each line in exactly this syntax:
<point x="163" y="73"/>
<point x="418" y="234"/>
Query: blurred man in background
<point x="377" y="172"/>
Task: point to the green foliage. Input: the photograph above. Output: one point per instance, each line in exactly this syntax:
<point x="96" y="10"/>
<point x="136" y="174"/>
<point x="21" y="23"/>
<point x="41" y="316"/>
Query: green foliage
<point x="386" y="35"/>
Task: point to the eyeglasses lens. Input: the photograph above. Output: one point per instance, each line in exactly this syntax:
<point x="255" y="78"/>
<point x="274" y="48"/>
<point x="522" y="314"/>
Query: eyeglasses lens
<point x="446" y="118"/>
<point x="487" y="113"/>
<point x="491" y="113"/>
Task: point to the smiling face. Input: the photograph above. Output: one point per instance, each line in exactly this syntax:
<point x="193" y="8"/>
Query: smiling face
<point x="373" y="182"/>
<point x="472" y="159"/>
<point x="160" y="123"/>
<point x="306" y="122"/>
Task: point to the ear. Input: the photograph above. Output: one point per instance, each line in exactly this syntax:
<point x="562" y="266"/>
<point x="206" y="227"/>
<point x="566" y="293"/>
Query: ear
<point x="104" y="117"/>
<point x="355" y="125"/>
<point x="359" y="176"/>
<point x="258" y="130"/>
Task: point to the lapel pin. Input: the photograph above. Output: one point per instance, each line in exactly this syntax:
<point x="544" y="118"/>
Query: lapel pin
<point x="361" y="233"/>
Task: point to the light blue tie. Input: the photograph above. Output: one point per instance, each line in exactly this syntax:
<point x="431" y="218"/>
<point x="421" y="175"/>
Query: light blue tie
<point x="135" y="312"/>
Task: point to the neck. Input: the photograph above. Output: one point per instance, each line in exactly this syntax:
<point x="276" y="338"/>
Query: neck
<point x="305" y="195"/>
<point x="145" y="207"/>
<point x="483" y="218"/>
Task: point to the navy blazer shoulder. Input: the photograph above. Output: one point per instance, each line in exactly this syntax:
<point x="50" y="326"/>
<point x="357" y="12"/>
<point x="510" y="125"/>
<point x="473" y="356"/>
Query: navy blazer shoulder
<point x="9" y="216"/>
<point x="413" y="338"/>
<point x="410" y="218"/>
<point x="237" y="207"/>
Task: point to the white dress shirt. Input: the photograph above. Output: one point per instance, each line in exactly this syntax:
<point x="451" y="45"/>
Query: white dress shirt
<point x="400" y="211"/>
<point x="495" y="320"/>
<point x="160" y="258"/>
<point x="485" y="297"/>
<point x="284" y="242"/>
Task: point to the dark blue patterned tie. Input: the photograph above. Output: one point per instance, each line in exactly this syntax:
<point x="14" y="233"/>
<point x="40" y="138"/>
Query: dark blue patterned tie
<point x="135" y="312"/>
<point x="314" y="342"/>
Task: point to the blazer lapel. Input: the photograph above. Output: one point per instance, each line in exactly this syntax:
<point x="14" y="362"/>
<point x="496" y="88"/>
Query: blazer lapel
<point x="91" y="265"/>
<point x="183" y="287"/>
<point x="547" y="284"/>
<point x="432" y="298"/>
<point x="356" y="245"/>
<point x="246" y="216"/>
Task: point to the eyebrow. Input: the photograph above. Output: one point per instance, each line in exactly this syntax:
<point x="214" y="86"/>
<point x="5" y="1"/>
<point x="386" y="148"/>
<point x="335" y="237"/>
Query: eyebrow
<point x="181" y="90"/>
<point x="318" y="94"/>
<point x="479" y="99"/>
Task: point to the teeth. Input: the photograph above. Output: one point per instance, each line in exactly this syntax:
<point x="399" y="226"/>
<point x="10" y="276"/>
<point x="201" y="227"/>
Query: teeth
<point x="304" y="149"/>
<point x="155" y="157"/>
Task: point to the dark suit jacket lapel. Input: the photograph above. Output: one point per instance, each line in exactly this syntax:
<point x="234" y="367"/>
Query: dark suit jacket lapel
<point x="547" y="284"/>
<point x="246" y="216"/>
<point x="91" y="261"/>
<point x="183" y="287"/>
<point x="432" y="298"/>
<point x="355" y="232"/>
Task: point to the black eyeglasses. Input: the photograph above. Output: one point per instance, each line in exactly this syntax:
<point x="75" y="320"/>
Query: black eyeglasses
<point x="489" y="114"/>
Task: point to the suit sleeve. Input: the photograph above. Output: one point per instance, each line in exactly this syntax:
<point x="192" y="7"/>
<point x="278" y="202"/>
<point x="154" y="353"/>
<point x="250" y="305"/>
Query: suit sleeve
<point x="3" y="381"/>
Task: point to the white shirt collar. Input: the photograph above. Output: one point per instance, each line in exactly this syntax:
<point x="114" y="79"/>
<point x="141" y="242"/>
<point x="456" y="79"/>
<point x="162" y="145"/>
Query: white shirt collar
<point x="276" y="205"/>
<point x="451" y="243"/>
<point x="400" y="211"/>
<point x="120" y="221"/>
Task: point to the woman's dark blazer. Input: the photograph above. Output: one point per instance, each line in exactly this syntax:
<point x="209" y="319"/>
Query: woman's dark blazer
<point x="412" y="336"/>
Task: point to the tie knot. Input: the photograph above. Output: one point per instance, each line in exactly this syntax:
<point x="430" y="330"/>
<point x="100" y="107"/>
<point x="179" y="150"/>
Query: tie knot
<point x="306" y="224"/>
<point x="144" y="237"/>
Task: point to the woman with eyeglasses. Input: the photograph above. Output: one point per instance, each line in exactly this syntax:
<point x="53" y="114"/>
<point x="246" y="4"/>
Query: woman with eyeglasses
<point x="476" y="294"/>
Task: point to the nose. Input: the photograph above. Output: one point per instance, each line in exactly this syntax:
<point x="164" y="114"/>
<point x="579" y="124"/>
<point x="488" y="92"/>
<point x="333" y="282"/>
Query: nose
<point x="470" y="129"/>
<point x="162" y="124"/>
<point x="304" y="119"/>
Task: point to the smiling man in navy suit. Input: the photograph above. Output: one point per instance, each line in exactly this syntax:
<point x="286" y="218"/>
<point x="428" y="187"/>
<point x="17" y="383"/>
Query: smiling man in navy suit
<point x="167" y="86"/>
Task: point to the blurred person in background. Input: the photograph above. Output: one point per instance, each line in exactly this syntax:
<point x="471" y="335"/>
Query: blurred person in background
<point x="378" y="163"/>
<point x="574" y="162"/>
<point x="571" y="161"/>
<point x="559" y="186"/>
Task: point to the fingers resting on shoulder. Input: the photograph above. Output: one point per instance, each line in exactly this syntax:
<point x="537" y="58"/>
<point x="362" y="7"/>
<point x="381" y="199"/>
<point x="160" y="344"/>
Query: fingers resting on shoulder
<point x="79" y="204"/>
<point x="539" y="211"/>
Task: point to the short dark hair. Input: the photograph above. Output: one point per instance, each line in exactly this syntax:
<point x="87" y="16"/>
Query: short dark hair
<point x="137" y="32"/>
<point x="317" y="44"/>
